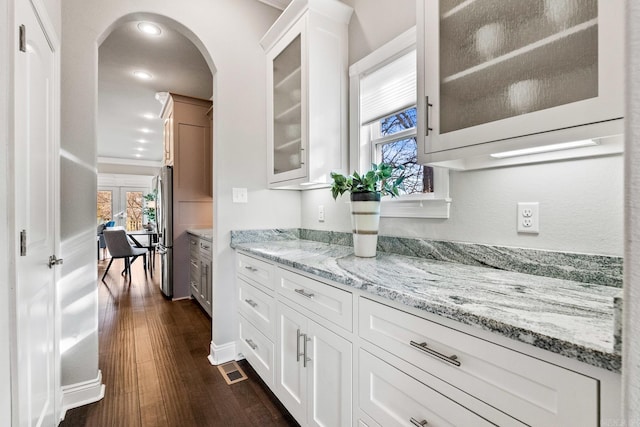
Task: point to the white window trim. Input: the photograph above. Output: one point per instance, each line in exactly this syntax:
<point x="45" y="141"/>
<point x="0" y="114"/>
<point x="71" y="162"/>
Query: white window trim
<point x="431" y="205"/>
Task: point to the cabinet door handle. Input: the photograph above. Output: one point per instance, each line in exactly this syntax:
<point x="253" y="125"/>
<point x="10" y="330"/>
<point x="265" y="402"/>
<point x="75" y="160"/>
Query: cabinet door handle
<point x="303" y="293"/>
<point x="251" y="302"/>
<point x="426" y="115"/>
<point x="418" y="423"/>
<point x="251" y="269"/>
<point x="453" y="359"/>
<point x="251" y="344"/>
<point x="305" y="358"/>
<point x="298" y="354"/>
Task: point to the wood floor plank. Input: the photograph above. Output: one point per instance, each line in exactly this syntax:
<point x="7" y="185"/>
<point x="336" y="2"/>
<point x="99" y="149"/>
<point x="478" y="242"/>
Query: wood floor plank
<point x="153" y="357"/>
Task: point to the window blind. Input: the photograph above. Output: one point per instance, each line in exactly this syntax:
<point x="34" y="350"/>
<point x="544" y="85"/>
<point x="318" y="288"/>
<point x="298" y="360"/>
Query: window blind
<point x="388" y="89"/>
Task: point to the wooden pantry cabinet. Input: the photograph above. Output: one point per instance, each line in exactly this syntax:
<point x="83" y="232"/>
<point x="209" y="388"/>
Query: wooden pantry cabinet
<point x="496" y="75"/>
<point x="306" y="54"/>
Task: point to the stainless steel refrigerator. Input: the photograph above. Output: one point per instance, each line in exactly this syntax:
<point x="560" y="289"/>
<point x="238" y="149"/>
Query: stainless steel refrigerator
<point x="163" y="185"/>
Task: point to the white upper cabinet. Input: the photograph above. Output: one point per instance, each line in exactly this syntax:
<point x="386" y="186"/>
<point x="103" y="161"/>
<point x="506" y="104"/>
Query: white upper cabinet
<point x="306" y="51"/>
<point x="499" y="75"/>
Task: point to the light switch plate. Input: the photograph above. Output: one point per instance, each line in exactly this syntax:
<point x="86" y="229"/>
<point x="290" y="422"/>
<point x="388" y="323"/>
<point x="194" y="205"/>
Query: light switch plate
<point x="240" y="195"/>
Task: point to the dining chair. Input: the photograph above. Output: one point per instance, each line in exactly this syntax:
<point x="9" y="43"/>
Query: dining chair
<point x="119" y="247"/>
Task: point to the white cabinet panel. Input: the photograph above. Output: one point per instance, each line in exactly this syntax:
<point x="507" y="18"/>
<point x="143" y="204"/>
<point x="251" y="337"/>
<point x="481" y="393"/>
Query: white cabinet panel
<point x="258" y="271"/>
<point x="528" y="389"/>
<point x="291" y="383"/>
<point x="257" y="349"/>
<point x="327" y="301"/>
<point x="393" y="398"/>
<point x="258" y="307"/>
<point x="330" y="378"/>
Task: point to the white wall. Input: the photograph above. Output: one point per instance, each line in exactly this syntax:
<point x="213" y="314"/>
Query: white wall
<point x="484" y="202"/>
<point x="631" y="309"/>
<point x="229" y="32"/>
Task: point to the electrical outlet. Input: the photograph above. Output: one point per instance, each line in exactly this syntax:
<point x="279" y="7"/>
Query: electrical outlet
<point x="528" y="217"/>
<point x="240" y="195"/>
<point x="321" y="213"/>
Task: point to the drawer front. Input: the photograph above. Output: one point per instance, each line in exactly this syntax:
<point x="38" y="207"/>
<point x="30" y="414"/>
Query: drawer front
<point x="194" y="246"/>
<point x="258" y="350"/>
<point x="259" y="271"/>
<point x="331" y="303"/>
<point x="205" y="249"/>
<point x="528" y="389"/>
<point x="257" y="307"/>
<point x="393" y="398"/>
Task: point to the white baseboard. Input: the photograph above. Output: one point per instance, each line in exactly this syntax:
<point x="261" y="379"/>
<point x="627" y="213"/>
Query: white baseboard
<point x="222" y="353"/>
<point x="80" y="394"/>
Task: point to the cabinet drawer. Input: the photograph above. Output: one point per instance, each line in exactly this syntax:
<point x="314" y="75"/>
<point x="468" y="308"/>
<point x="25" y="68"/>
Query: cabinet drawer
<point x="331" y="303"/>
<point x="528" y="389"/>
<point x="194" y="246"/>
<point x="393" y="398"/>
<point x="259" y="271"/>
<point x="258" y="307"/>
<point x="257" y="349"/>
<point x="205" y="249"/>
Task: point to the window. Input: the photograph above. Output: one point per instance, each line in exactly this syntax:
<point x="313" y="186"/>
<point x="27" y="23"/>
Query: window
<point x="105" y="206"/>
<point x="383" y="122"/>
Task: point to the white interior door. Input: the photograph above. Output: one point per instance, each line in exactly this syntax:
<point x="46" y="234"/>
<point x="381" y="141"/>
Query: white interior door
<point x="34" y="372"/>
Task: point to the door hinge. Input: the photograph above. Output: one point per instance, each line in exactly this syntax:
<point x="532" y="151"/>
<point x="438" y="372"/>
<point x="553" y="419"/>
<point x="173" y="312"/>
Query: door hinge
<point x="23" y="243"/>
<point x="23" y="38"/>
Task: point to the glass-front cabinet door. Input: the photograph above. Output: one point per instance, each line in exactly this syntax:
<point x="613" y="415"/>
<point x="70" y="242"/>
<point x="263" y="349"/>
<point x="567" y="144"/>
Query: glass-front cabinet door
<point x="501" y="69"/>
<point x="287" y="125"/>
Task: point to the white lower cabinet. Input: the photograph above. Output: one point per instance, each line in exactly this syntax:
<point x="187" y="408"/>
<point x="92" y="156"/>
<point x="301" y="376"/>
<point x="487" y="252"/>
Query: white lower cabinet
<point x="393" y="398"/>
<point x="314" y="371"/>
<point x="337" y="357"/>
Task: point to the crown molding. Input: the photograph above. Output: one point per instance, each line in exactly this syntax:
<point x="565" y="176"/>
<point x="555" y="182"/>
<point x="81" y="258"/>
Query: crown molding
<point x="278" y="4"/>
<point x="129" y="162"/>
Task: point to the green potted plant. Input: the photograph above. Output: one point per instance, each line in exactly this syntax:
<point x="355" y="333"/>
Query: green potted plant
<point x="366" y="191"/>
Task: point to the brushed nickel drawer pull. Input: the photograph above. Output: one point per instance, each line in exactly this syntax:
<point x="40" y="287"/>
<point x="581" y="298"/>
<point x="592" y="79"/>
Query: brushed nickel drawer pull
<point x="305" y="358"/>
<point x="251" y="344"/>
<point x="251" y="302"/>
<point x="303" y="293"/>
<point x="453" y="359"/>
<point x="418" y="423"/>
<point x="251" y="269"/>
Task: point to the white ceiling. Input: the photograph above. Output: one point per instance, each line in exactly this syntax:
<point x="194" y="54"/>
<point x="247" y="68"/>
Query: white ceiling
<point x="176" y="65"/>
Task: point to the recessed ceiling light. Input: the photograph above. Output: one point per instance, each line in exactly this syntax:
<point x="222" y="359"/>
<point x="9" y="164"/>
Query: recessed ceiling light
<point x="142" y="141"/>
<point x="150" y="116"/>
<point x="140" y="149"/>
<point x="145" y="130"/>
<point x="149" y="28"/>
<point x="142" y="75"/>
<point x="138" y="155"/>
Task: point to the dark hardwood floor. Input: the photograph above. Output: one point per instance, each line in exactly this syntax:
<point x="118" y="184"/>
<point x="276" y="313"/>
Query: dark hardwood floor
<point x="153" y="357"/>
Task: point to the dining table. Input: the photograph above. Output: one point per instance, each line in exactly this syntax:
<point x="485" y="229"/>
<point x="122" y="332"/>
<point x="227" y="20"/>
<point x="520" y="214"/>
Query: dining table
<point x="145" y="239"/>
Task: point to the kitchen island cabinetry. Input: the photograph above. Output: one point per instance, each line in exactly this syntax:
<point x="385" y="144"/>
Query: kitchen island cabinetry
<point x="200" y="275"/>
<point x="306" y="51"/>
<point x="394" y="364"/>
<point x="525" y="75"/>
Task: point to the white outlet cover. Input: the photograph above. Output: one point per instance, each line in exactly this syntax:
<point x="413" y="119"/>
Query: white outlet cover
<point x="240" y="195"/>
<point x="528" y="218"/>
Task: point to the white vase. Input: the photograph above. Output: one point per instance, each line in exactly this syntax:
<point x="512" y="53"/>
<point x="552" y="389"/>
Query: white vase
<point x="365" y="220"/>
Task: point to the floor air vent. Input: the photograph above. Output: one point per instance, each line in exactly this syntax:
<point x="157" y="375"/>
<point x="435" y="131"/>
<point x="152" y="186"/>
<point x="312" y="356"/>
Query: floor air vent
<point x="232" y="373"/>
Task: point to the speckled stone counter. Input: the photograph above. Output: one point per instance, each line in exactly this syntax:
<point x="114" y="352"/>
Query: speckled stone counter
<point x="571" y="318"/>
<point x="204" y="233"/>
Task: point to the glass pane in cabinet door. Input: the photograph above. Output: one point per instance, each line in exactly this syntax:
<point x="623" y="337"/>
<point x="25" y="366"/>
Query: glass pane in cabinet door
<point x="287" y="109"/>
<point x="500" y="59"/>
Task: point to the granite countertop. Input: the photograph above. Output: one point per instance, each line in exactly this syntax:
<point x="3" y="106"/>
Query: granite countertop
<point x="204" y="233"/>
<point x="574" y="319"/>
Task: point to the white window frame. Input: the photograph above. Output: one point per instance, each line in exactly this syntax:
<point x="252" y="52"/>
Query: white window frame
<point x="362" y="147"/>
